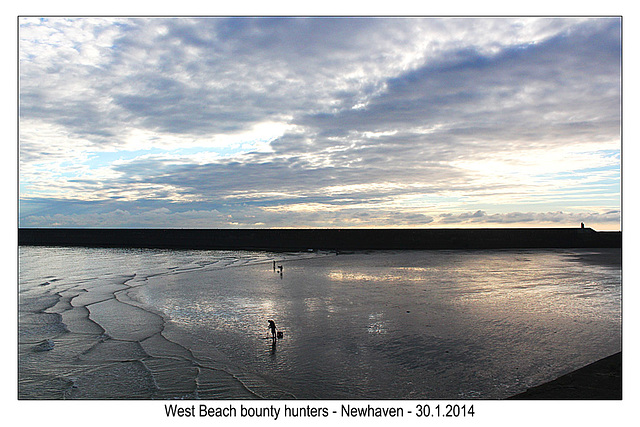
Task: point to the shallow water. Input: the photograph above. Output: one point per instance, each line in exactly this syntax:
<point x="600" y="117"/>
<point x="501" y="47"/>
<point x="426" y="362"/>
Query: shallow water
<point x="115" y="323"/>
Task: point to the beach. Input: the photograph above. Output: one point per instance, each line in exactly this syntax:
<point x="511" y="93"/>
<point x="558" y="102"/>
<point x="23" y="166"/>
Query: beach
<point x="108" y="323"/>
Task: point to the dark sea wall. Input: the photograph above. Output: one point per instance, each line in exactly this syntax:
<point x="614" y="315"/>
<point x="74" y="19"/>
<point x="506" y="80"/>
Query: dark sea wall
<point x="323" y="239"/>
<point x="601" y="380"/>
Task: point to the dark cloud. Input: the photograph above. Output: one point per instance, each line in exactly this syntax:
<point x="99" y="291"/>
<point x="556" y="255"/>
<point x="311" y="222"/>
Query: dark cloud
<point x="243" y="71"/>
<point x="561" y="88"/>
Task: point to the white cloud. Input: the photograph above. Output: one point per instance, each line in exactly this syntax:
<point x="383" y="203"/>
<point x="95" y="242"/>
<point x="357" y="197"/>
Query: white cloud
<point x="318" y="116"/>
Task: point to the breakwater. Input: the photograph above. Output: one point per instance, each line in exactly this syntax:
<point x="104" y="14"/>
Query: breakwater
<point x="322" y="239"/>
<point x="600" y="380"/>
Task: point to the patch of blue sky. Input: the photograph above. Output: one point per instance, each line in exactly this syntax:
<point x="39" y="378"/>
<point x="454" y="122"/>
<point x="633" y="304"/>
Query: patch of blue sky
<point x="27" y="189"/>
<point x="32" y="185"/>
<point x="561" y="204"/>
<point x="605" y="168"/>
<point x="226" y="151"/>
<point x="572" y="204"/>
<point x="23" y="187"/>
<point x="601" y="188"/>
<point x="100" y="159"/>
<point x="604" y="174"/>
<point x="107" y="158"/>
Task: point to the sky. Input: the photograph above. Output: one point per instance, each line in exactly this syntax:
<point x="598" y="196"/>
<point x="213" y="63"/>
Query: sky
<point x="319" y="122"/>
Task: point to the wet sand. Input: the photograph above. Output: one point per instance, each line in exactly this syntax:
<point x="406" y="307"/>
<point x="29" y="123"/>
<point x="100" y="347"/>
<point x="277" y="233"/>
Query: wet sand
<point x="140" y="324"/>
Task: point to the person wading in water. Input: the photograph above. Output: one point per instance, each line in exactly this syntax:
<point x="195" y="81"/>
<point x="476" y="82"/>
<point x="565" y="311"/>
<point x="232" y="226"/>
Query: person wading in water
<point x="272" y="327"/>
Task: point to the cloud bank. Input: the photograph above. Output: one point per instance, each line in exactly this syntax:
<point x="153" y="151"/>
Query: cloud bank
<point x="319" y="122"/>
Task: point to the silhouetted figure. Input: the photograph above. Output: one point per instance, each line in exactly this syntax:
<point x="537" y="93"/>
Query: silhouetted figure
<point x="274" y="266"/>
<point x="582" y="225"/>
<point x="272" y="327"/>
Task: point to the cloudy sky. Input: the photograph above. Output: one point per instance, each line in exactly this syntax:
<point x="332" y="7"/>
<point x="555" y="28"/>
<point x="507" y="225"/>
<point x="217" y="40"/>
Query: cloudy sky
<point x="319" y="122"/>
